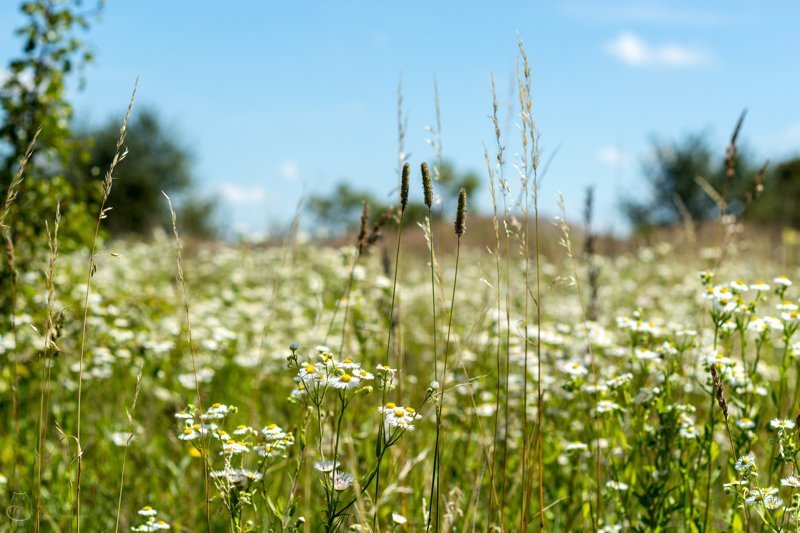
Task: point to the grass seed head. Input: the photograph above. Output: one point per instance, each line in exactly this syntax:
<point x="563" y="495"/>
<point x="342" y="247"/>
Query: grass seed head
<point x="461" y="212"/>
<point x="427" y="186"/>
<point x="404" y="188"/>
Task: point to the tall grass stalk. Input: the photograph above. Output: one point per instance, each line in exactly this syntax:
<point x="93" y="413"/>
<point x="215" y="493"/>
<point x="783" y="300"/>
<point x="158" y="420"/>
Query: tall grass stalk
<point x="11" y="195"/>
<point x="427" y="190"/>
<point x="507" y="231"/>
<point x="404" y="189"/>
<point x="576" y="281"/>
<point x="190" y="340"/>
<point x="129" y="413"/>
<point x="49" y="347"/>
<point x="119" y="156"/>
<point x="528" y="169"/>
<point x="460" y="227"/>
<point x="495" y="417"/>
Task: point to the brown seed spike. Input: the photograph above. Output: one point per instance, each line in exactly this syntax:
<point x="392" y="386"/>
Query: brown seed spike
<point x="404" y="188"/>
<point x="362" y="233"/>
<point x="461" y="212"/>
<point x="427" y="186"/>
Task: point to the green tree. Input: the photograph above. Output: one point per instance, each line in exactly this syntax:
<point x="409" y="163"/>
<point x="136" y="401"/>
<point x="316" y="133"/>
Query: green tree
<point x="34" y="96"/>
<point x="341" y="209"/>
<point x="157" y="161"/>
<point x="671" y="174"/>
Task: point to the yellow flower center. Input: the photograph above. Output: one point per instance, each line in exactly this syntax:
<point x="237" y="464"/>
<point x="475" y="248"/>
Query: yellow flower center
<point x="348" y="361"/>
<point x="216" y="406"/>
<point x="346" y="378"/>
<point x="272" y="426"/>
<point x="390" y="405"/>
<point x="399" y="413"/>
<point x="310" y="368"/>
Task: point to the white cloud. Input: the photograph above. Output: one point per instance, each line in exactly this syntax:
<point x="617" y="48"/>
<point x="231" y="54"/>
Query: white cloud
<point x="242" y="194"/>
<point x="289" y="170"/>
<point x="633" y="50"/>
<point x="611" y="155"/>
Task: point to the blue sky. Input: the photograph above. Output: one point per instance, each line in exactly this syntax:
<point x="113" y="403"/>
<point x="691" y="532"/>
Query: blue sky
<point x="280" y="97"/>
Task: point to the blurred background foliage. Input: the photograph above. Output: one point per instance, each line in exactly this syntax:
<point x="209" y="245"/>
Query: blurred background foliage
<point x="71" y="160"/>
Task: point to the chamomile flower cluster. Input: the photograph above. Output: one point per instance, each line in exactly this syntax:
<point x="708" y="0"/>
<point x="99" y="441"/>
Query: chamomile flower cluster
<point x="245" y="453"/>
<point x="317" y="374"/>
<point x="151" y="520"/>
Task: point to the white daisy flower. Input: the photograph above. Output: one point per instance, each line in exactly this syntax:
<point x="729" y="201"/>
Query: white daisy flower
<point x="719" y="359"/>
<point x="739" y="286"/>
<point x="783" y="281"/>
<point x="761" y="495"/>
<point x="617" y="485"/>
<point x="781" y="424"/>
<point x="399" y="416"/>
<point x="575" y="369"/>
<point x="746" y="462"/>
<point x="345" y="381"/>
<point x="576" y="446"/>
<point x="237" y="476"/>
<point x="217" y="411"/>
<point x="341" y="480"/>
<point x="607" y="406"/>
<point x="363" y="375"/>
<point x="619" y="381"/>
<point x="790" y="317"/>
<point x="327" y="466"/>
<point x="147" y="511"/>
<point x="399" y="519"/>
<point x="791" y="481"/>
<point x="759" y="286"/>
<point x="232" y="447"/>
<point x="745" y="423"/>
<point x="309" y="371"/>
<point x="347" y="364"/>
<point x="190" y="433"/>
<point x="645" y="355"/>
<point x="385" y="369"/>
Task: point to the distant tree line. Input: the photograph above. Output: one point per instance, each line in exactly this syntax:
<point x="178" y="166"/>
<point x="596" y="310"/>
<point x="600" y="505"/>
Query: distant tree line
<point x="679" y="173"/>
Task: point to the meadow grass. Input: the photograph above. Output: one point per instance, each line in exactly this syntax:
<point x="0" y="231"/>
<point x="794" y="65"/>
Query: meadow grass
<point x="304" y="386"/>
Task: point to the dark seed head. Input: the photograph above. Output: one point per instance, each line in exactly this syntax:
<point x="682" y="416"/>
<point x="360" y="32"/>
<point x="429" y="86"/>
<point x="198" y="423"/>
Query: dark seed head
<point x="427" y="186"/>
<point x="362" y="232"/>
<point x="404" y="188"/>
<point x="461" y="212"/>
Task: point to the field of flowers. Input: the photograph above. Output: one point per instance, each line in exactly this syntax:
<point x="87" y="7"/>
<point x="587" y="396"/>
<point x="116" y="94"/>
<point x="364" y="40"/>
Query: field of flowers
<point x="497" y="383"/>
<point x="299" y="389"/>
